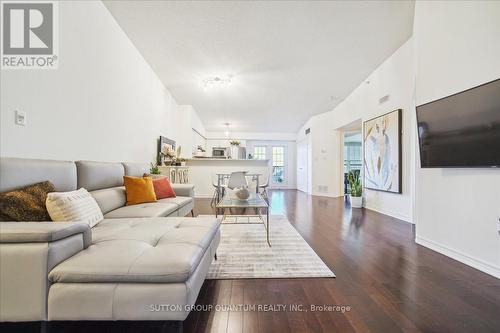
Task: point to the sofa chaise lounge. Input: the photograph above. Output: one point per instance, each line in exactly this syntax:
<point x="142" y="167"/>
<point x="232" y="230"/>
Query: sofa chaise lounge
<point x="142" y="262"/>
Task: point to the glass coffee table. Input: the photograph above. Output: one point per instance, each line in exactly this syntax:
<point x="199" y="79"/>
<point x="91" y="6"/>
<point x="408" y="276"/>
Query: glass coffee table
<point x="255" y="201"/>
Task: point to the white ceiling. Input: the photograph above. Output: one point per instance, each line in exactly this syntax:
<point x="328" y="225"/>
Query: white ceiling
<point x="289" y="60"/>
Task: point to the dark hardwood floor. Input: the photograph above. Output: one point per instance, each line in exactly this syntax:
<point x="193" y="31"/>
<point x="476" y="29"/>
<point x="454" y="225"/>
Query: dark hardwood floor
<point x="385" y="283"/>
<point x="390" y="283"/>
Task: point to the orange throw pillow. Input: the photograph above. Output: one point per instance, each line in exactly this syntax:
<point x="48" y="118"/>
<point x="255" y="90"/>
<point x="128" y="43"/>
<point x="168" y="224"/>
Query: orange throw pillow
<point x="163" y="188"/>
<point x="139" y="190"/>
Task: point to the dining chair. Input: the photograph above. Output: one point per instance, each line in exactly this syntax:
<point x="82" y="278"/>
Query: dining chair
<point x="263" y="187"/>
<point x="237" y="179"/>
<point x="218" y="192"/>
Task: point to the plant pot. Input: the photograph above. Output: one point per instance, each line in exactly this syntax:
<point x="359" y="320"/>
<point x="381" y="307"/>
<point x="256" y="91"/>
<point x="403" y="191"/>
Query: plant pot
<point x="356" y="202"/>
<point x="183" y="163"/>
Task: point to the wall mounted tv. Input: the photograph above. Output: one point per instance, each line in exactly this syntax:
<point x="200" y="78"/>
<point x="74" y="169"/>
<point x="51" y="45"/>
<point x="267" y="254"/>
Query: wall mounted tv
<point x="461" y="130"/>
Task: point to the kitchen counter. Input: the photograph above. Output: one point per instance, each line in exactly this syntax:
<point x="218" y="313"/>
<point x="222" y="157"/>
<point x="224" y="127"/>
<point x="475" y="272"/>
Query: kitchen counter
<point x="202" y="171"/>
<point x="201" y="159"/>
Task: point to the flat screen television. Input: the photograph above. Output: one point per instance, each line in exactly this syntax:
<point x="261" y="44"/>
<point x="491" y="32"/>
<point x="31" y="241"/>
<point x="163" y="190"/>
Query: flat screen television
<point x="461" y="130"/>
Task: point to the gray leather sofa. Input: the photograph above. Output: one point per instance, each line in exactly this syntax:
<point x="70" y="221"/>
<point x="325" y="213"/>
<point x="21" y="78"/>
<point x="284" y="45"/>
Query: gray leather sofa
<point x="130" y="266"/>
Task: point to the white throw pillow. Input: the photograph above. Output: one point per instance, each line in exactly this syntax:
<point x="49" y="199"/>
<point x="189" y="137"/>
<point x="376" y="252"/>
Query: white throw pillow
<point x="75" y="206"/>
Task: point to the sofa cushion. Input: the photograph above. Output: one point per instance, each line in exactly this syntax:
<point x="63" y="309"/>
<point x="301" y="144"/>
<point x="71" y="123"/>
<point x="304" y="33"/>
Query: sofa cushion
<point x="20" y="172"/>
<point x="99" y="175"/>
<point x="149" y="209"/>
<point x="153" y="250"/>
<point x="179" y="201"/>
<point x="26" y="204"/>
<point x="110" y="199"/>
<point x="163" y="188"/>
<point x="71" y="206"/>
<point x="139" y="190"/>
<point x="135" y="169"/>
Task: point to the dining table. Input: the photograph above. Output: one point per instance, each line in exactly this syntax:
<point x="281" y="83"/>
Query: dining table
<point x="222" y="177"/>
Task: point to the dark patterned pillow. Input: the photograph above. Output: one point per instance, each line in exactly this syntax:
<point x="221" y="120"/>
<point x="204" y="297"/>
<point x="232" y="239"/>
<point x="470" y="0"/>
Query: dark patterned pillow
<point x="26" y="204"/>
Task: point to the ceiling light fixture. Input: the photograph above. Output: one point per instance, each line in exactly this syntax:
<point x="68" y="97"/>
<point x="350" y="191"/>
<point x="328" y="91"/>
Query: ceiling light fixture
<point x="226" y="132"/>
<point x="217" y="81"/>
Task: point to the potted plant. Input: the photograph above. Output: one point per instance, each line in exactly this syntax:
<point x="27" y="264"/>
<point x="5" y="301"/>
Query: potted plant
<point x="154" y="169"/>
<point x="356" y="195"/>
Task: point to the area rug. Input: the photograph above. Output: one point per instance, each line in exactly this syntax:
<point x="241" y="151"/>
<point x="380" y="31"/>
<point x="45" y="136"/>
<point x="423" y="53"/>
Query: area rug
<point x="243" y="252"/>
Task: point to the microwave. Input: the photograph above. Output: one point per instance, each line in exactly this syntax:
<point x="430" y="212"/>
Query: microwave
<point x="220" y="152"/>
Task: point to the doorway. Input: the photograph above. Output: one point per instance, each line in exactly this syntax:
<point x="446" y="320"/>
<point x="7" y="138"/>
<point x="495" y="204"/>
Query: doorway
<point x="353" y="158"/>
<point x="351" y="151"/>
<point x="302" y="166"/>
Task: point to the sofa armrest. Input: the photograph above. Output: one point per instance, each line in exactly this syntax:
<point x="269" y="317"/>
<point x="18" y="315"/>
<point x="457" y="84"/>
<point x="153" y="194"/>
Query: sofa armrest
<point x="43" y="232"/>
<point x="28" y="252"/>
<point x="184" y="190"/>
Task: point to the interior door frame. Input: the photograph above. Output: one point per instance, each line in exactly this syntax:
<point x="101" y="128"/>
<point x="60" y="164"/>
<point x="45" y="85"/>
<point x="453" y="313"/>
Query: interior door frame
<point x="286" y="167"/>
<point x="342" y="147"/>
<point x="306" y="143"/>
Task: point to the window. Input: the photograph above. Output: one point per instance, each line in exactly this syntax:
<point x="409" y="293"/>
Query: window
<point x="352" y="156"/>
<point x="278" y="165"/>
<point x="259" y="152"/>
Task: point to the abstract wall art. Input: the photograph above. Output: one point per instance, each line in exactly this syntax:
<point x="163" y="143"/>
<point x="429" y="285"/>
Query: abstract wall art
<point x="382" y="152"/>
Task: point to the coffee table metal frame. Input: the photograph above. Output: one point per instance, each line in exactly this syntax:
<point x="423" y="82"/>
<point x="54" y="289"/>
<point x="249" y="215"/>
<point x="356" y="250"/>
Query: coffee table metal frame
<point x="256" y="202"/>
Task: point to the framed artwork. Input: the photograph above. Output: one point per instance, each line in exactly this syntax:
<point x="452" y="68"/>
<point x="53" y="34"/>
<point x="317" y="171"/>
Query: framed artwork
<point x="382" y="152"/>
<point x="165" y="146"/>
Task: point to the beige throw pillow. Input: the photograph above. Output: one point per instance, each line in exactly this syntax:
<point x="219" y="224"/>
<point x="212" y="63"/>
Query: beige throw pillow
<point x="74" y="206"/>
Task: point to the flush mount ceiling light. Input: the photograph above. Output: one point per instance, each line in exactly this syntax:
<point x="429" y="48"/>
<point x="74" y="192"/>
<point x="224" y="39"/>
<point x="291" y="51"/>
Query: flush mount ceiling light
<point x="217" y="81"/>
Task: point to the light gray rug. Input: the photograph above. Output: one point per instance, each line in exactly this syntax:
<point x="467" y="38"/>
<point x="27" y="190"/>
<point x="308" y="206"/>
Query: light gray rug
<point x="243" y="252"/>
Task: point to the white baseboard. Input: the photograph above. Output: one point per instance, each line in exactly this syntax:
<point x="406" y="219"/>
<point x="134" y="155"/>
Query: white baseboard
<point x="203" y="196"/>
<point x="323" y="194"/>
<point x="459" y="256"/>
<point x="391" y="214"/>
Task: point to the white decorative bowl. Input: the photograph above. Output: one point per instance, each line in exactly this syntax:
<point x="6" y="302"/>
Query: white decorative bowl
<point x="242" y="193"/>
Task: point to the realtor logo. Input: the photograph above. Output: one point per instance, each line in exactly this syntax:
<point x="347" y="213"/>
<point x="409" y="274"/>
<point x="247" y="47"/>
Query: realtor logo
<point x="29" y="35"/>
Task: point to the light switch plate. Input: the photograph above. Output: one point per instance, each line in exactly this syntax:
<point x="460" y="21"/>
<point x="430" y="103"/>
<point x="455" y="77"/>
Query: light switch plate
<point x="20" y="118"/>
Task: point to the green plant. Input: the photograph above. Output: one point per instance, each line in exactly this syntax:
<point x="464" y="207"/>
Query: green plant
<point x="355" y="184"/>
<point x="154" y="169"/>
<point x="234" y="143"/>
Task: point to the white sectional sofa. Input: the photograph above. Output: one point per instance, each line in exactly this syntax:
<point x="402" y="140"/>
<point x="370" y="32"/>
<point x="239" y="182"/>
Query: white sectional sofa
<point x="135" y="261"/>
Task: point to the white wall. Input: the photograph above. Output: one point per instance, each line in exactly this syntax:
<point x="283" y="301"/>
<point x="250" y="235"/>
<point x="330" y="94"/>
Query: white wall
<point x="324" y="155"/>
<point x="395" y="77"/>
<point x="103" y="103"/>
<point x="218" y="138"/>
<point x="190" y="130"/>
<point x="458" y="47"/>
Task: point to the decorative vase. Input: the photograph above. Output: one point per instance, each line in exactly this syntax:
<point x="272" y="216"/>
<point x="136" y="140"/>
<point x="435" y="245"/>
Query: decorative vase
<point x="234" y="152"/>
<point x="242" y="193"/>
<point x="356" y="202"/>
